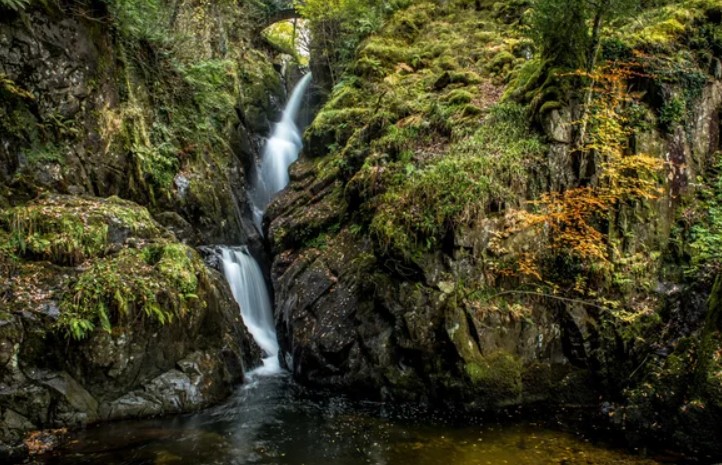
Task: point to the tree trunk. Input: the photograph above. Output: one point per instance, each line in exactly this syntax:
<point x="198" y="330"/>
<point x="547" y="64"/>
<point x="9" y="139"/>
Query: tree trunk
<point x="590" y="64"/>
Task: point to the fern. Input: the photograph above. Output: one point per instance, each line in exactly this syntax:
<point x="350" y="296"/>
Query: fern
<point x="15" y="5"/>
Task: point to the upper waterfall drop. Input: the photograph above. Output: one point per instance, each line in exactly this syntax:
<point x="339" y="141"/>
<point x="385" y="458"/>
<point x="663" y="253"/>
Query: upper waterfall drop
<point x="281" y="149"/>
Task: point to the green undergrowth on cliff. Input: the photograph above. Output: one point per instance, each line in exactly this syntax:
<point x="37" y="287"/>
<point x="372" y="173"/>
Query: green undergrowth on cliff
<point x="703" y="221"/>
<point x="67" y="230"/>
<point x="431" y="148"/>
<point x="193" y="83"/>
<point x="159" y="282"/>
<point x="172" y="84"/>
<point x="436" y="134"/>
<point x="483" y="173"/>
<point x="105" y="262"/>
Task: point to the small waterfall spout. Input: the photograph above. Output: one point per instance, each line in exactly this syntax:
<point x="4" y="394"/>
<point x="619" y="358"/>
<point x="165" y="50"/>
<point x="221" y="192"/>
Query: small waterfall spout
<point x="280" y="151"/>
<point x="249" y="289"/>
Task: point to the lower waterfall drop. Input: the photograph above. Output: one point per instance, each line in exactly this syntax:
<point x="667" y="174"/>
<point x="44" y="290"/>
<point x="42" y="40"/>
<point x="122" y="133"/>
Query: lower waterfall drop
<point x="249" y="289"/>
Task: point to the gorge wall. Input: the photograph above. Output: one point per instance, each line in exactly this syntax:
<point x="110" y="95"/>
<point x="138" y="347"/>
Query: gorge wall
<point x="404" y="269"/>
<point x="127" y="132"/>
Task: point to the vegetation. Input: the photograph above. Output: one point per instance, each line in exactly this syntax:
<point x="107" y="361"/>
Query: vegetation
<point x="483" y="173"/>
<point x="338" y="27"/>
<point x="15" y="5"/>
<point x="159" y="282"/>
<point x="69" y="230"/>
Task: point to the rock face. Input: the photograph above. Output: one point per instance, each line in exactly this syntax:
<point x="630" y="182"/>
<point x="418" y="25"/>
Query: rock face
<point x="141" y="363"/>
<point x="105" y="312"/>
<point x="47" y="381"/>
<point x="452" y="323"/>
<point x="92" y="106"/>
<point x="372" y="327"/>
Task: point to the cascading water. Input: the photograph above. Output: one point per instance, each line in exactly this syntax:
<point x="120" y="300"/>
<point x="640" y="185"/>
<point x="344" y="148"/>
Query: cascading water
<point x="249" y="289"/>
<point x="280" y="151"/>
<point x="240" y="268"/>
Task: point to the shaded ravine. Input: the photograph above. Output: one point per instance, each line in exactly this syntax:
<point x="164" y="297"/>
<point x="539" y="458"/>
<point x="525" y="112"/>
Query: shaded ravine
<point x="240" y="268"/>
<point x="272" y="420"/>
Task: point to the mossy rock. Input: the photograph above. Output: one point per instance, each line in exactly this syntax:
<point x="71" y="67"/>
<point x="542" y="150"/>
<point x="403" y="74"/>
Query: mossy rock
<point x="159" y="282"/>
<point x="497" y="377"/>
<point x="67" y="230"/>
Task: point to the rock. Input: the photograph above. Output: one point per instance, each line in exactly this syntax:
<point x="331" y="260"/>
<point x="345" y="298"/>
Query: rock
<point x="179" y="226"/>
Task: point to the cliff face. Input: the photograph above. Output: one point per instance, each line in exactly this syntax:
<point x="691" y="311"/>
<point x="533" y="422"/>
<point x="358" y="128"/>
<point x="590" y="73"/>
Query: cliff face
<point x="162" y="104"/>
<point x="127" y="132"/>
<point x="406" y="263"/>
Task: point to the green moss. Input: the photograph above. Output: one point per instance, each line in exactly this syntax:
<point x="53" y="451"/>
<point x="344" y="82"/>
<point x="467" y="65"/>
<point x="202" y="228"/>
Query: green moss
<point x="159" y="282"/>
<point x="68" y="230"/>
<point x="501" y="60"/>
<point x="498" y="376"/>
<point x="486" y="169"/>
<point x="459" y="97"/>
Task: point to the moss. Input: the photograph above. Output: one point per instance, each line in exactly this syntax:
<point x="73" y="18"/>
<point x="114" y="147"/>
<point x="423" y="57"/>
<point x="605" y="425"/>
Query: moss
<point x="500" y="61"/>
<point x="550" y="106"/>
<point x="487" y="168"/>
<point x="159" y="282"/>
<point x="68" y="230"/>
<point x="498" y="376"/>
<point x="459" y="97"/>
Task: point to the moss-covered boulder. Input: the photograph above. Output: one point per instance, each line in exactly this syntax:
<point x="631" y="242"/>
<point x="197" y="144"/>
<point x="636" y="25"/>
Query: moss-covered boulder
<point x="107" y="316"/>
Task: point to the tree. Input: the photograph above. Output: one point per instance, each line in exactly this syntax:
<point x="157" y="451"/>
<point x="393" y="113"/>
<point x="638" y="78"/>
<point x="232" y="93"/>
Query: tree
<point x="570" y="31"/>
<point x="570" y="35"/>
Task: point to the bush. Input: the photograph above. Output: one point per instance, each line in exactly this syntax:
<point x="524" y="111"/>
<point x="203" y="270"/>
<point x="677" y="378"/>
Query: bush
<point x="159" y="282"/>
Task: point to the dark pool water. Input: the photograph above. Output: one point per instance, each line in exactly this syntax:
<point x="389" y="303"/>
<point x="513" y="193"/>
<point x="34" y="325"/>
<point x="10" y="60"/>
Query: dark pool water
<point x="273" y="421"/>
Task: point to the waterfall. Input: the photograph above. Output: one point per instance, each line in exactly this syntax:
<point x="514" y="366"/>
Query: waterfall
<point x="240" y="268"/>
<point x="280" y="151"/>
<point x="249" y="289"/>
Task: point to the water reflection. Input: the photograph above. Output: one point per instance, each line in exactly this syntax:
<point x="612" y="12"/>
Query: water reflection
<point x="272" y="421"/>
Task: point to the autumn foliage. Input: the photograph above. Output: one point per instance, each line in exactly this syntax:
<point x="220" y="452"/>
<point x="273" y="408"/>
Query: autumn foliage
<point x="573" y="219"/>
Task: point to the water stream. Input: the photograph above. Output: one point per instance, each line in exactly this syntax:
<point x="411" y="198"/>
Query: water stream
<point x="281" y="149"/>
<point x="249" y="289"/>
<point x="240" y="268"/>
<point x="271" y="420"/>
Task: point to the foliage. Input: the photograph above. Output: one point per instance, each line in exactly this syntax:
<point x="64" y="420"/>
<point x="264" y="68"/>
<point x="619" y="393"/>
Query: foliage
<point x="560" y="28"/>
<point x="140" y="19"/>
<point x="338" y="26"/>
<point x="485" y="172"/>
<point x="573" y="218"/>
<point x="288" y="37"/>
<point x="706" y="231"/>
<point x="570" y="34"/>
<point x="15" y="5"/>
<point x="159" y="282"/>
<point x="68" y="230"/>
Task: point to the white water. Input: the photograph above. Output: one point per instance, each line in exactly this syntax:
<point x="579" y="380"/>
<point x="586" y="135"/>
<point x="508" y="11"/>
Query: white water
<point x="240" y="268"/>
<point x="280" y="151"/>
<point x="249" y="289"/>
